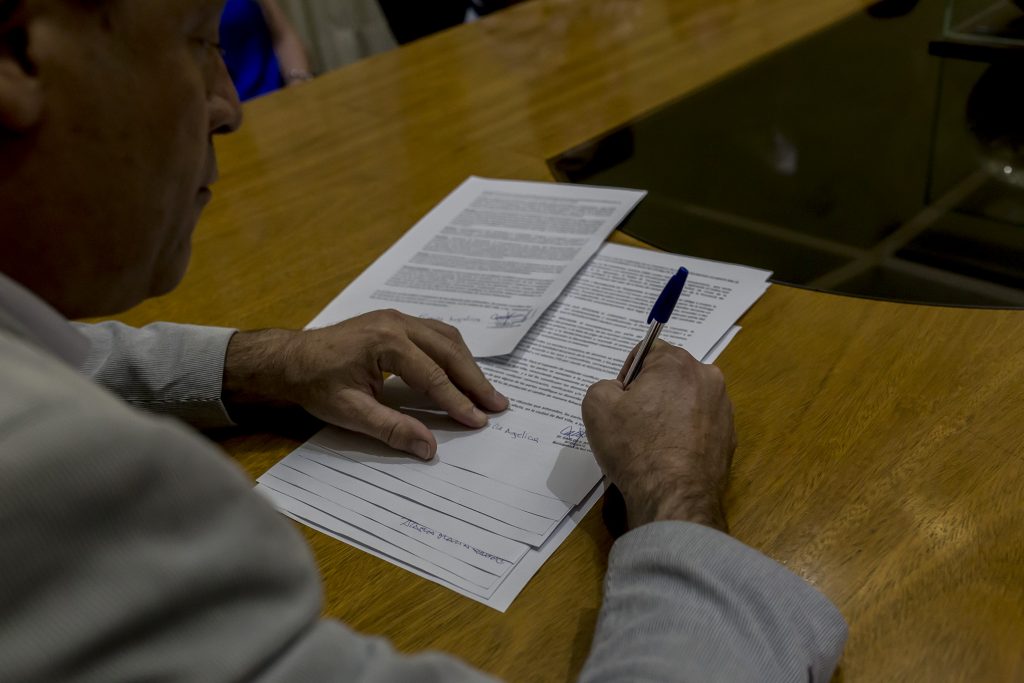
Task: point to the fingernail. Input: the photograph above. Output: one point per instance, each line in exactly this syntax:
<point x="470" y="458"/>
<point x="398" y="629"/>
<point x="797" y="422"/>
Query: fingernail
<point x="422" y="450"/>
<point x="499" y="398"/>
<point x="479" y="416"/>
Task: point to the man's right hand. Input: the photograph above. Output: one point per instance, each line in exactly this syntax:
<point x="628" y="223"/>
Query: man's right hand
<point x="666" y="441"/>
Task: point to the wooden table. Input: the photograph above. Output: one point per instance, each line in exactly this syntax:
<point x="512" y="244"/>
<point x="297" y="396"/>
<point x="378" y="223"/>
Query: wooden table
<point x="881" y="445"/>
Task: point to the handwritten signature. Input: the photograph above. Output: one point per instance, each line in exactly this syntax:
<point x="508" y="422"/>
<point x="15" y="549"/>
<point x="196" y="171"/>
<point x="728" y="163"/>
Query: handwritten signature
<point x="452" y="319"/>
<point x="573" y="435"/>
<point x="416" y="526"/>
<point x="514" y="434"/>
<point x="508" y="319"/>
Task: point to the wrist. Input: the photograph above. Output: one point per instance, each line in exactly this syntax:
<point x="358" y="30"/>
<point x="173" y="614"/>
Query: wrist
<point x="255" y="369"/>
<point x="700" y="508"/>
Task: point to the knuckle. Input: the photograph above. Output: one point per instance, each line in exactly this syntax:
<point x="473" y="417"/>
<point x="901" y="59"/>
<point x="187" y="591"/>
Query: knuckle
<point x="389" y="432"/>
<point x="451" y="332"/>
<point x="676" y="362"/>
<point x="437" y="378"/>
<point x="386" y="319"/>
<point x="662" y="346"/>
<point x="388" y="340"/>
<point x="715" y="374"/>
<point x="456" y="350"/>
<point x="683" y="356"/>
<point x="387" y="326"/>
<point x="674" y="355"/>
<point x="597" y="391"/>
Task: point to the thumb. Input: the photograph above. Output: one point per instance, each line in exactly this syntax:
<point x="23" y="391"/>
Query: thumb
<point x="361" y="412"/>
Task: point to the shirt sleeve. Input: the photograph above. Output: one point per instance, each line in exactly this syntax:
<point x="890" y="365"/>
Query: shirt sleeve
<point x="684" y="602"/>
<point x="163" y="368"/>
<point x="139" y="552"/>
<point x="138" y="541"/>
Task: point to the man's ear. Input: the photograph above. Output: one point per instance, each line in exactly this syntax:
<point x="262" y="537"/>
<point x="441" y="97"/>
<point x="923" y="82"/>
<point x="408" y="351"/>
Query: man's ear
<point x="21" y="96"/>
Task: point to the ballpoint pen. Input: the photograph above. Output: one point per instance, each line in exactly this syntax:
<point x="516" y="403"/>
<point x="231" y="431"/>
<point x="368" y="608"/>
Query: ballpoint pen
<point x="660" y="314"/>
<point x="614" y="510"/>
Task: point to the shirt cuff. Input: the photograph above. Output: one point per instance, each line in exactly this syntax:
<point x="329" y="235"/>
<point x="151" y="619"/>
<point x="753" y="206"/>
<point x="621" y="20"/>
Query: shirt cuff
<point x="697" y="604"/>
<point x="163" y="368"/>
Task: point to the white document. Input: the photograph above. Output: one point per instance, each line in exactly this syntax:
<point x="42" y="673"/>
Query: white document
<point x="542" y="461"/>
<point x="540" y="465"/>
<point x="504" y="262"/>
<point x="424" y="564"/>
<point x="489" y="259"/>
<point x="496" y="591"/>
<point x="719" y="347"/>
<point x="587" y="334"/>
<point x="388" y="509"/>
<point x="452" y="501"/>
<point x="330" y="513"/>
<point x="534" y="490"/>
<point x="500" y="592"/>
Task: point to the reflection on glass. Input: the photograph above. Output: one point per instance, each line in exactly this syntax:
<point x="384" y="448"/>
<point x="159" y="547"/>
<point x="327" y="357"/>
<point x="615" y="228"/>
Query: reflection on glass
<point x="855" y="161"/>
<point x="995" y="116"/>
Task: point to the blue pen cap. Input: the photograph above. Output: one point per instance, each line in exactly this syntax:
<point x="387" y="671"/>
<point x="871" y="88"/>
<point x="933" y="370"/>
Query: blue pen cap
<point x="666" y="303"/>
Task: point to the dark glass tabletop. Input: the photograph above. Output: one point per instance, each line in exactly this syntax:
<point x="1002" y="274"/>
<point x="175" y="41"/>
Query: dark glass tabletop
<point x="858" y="160"/>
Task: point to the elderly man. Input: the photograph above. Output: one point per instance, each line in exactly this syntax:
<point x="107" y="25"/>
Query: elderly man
<point x="131" y="548"/>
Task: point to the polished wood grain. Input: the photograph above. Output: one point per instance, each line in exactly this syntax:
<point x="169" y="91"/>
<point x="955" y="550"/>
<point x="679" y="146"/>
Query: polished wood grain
<point x="881" y="445"/>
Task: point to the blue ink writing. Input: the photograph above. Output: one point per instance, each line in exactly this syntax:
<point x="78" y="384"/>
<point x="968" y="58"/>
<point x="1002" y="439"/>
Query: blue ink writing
<point x="573" y="435"/>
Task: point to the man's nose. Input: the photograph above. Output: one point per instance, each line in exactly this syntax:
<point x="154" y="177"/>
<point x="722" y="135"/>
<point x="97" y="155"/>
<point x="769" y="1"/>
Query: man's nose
<point x="225" y="107"/>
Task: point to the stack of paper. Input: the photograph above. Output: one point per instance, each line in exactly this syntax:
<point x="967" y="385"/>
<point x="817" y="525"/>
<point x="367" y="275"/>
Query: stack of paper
<point x="496" y="502"/>
<point x="489" y="259"/>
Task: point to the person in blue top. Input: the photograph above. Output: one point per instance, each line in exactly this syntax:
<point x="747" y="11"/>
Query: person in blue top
<point x="262" y="49"/>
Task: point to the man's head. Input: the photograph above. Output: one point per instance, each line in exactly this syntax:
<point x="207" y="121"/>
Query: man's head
<point x="107" y="112"/>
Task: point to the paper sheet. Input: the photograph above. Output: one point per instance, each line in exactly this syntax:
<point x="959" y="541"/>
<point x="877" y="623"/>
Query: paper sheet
<point x="502" y="261"/>
<point x="452" y="501"/>
<point x="469" y="573"/>
<point x="497" y="593"/>
<point x="545" y="463"/>
<point x="587" y="334"/>
<point x="720" y="345"/>
<point x="423" y="563"/>
<point x="489" y="259"/>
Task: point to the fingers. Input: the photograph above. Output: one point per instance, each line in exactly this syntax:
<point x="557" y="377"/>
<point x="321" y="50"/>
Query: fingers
<point x="604" y="390"/>
<point x="362" y="413"/>
<point x="600" y="399"/>
<point x="629" y="363"/>
<point x="447" y="330"/>
<point x="420" y="372"/>
<point x="660" y="352"/>
<point x="665" y="358"/>
<point x="445" y="346"/>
